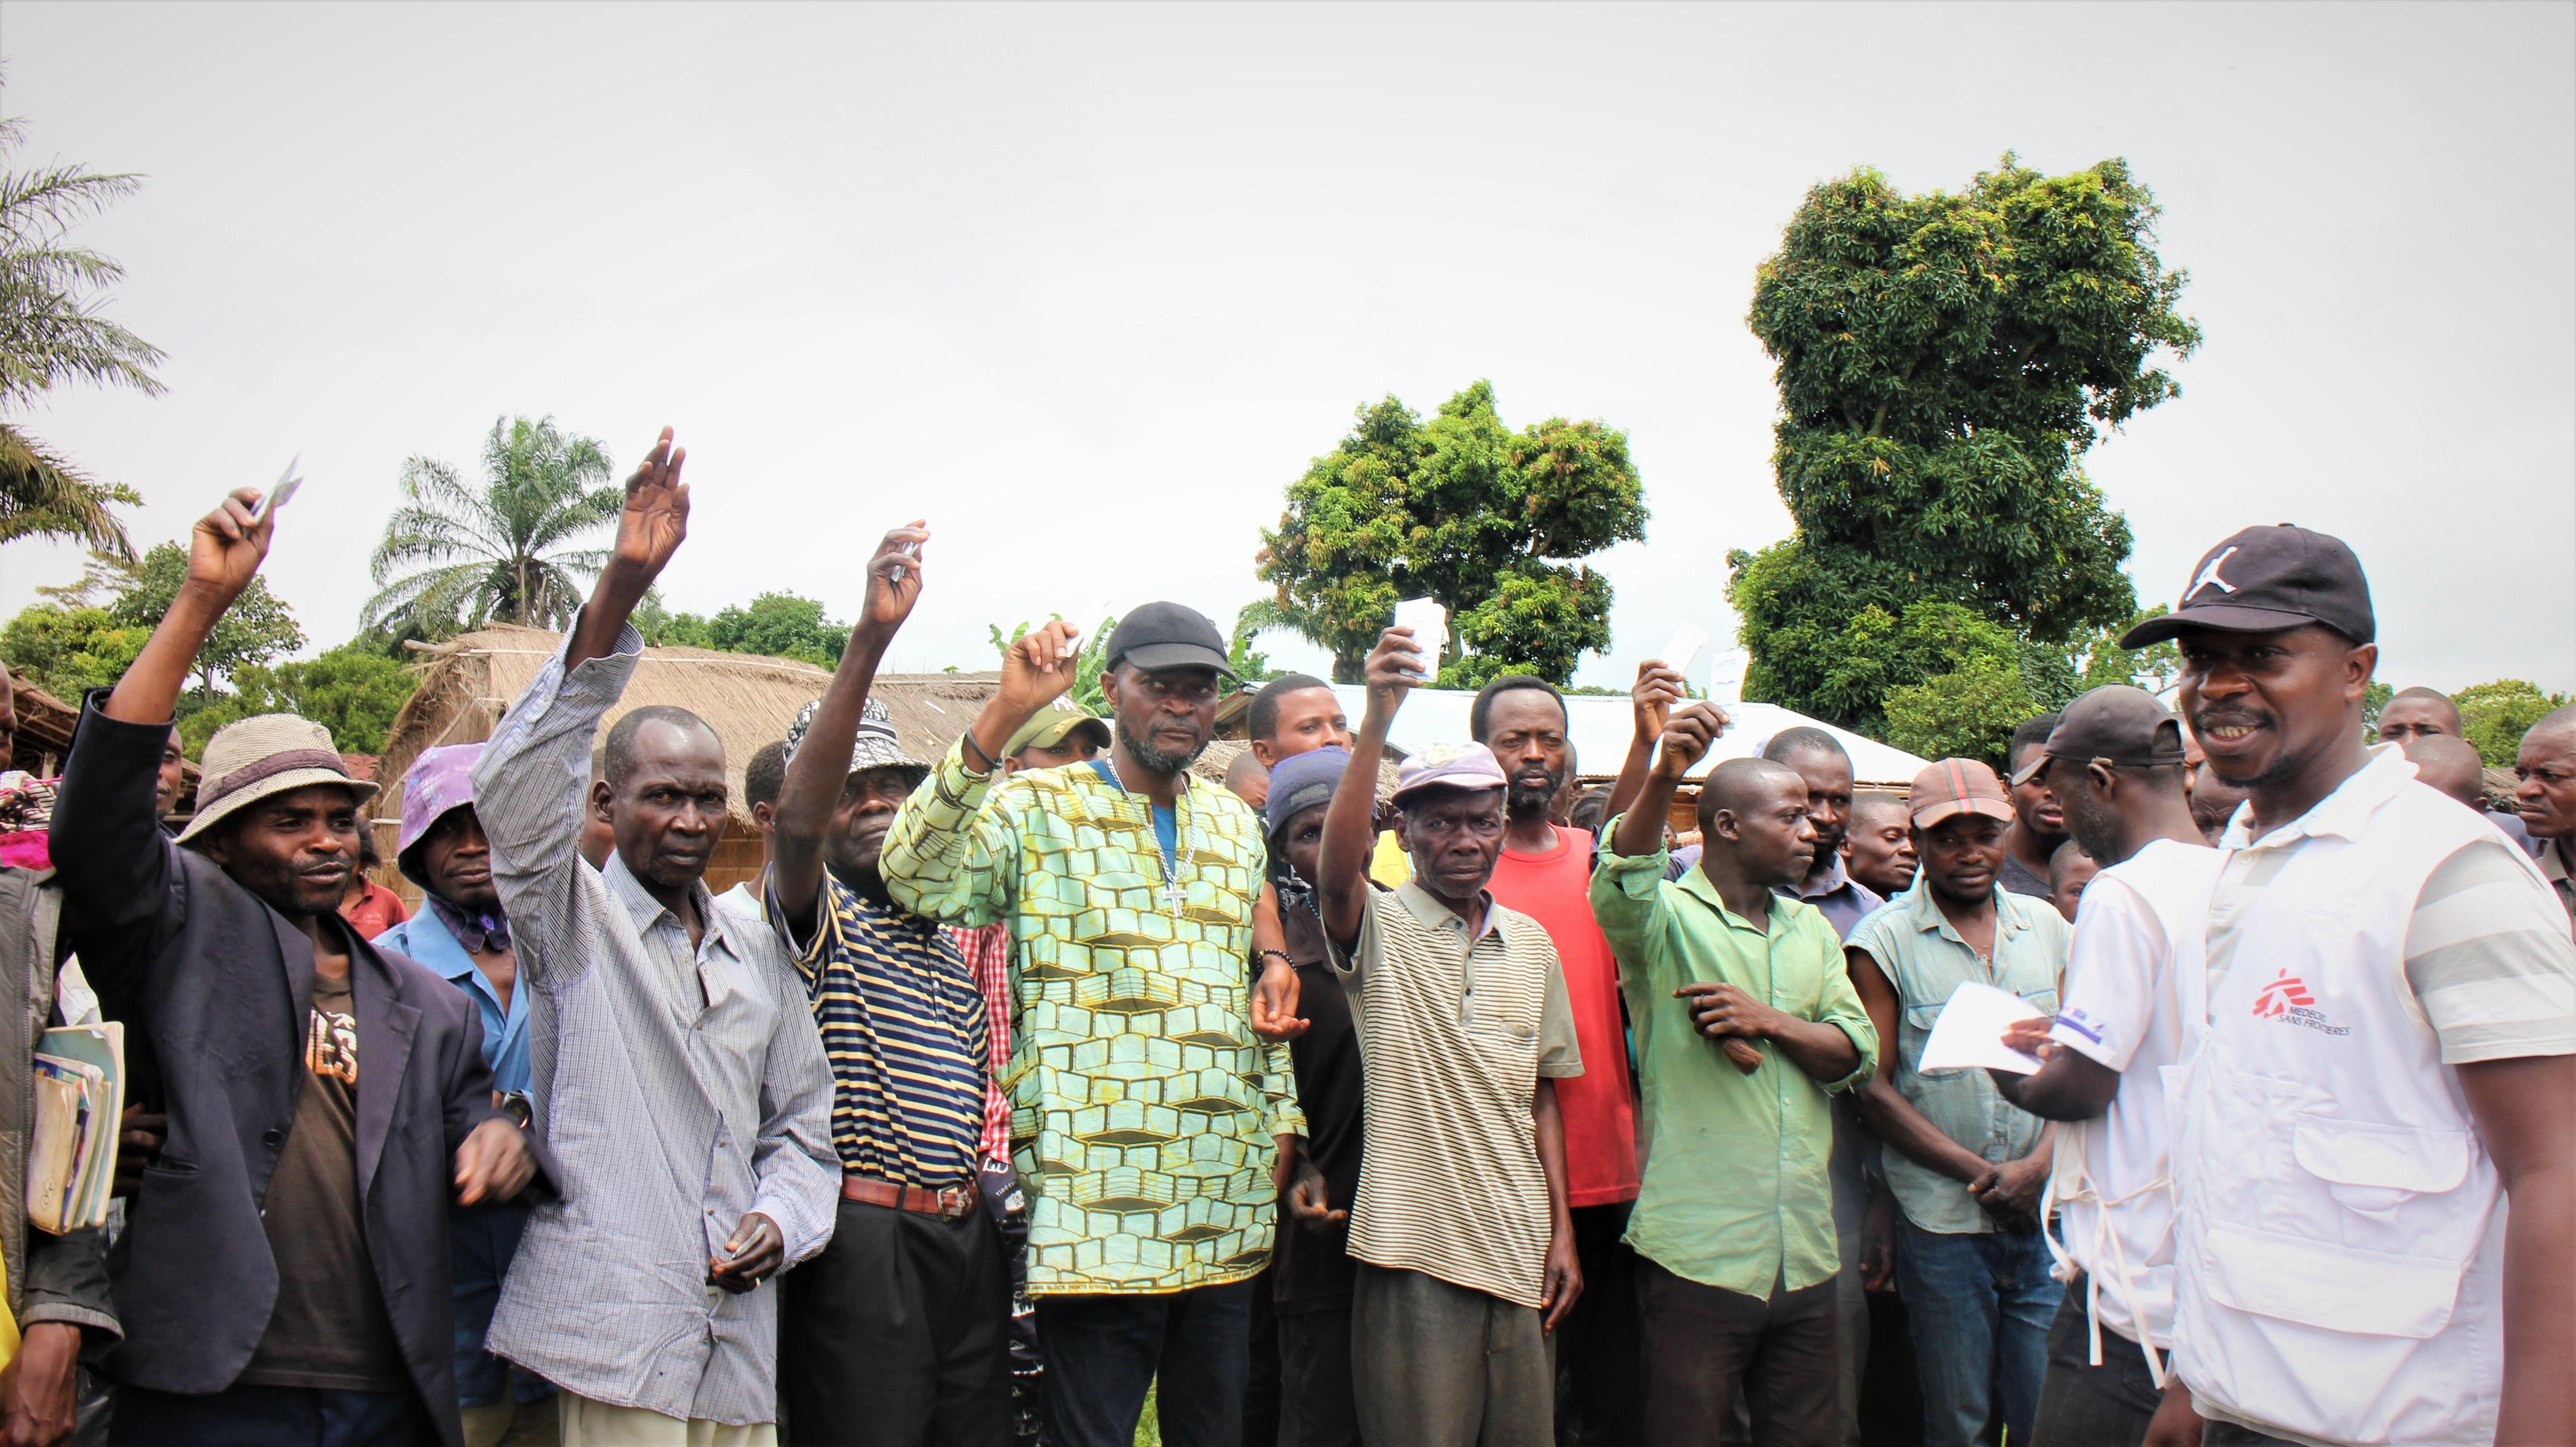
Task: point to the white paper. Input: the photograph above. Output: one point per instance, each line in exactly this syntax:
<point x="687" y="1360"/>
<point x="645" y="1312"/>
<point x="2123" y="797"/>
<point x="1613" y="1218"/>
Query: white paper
<point x="1969" y="1035"/>
<point x="1683" y="651"/>
<point x="1430" y="624"/>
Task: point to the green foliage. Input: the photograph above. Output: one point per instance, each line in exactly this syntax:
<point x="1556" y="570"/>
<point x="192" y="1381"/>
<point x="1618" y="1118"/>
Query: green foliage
<point x="1968" y="714"/>
<point x="1461" y="509"/>
<point x="779" y="625"/>
<point x="353" y="690"/>
<point x="454" y="558"/>
<point x="64" y="650"/>
<point x="1088" y="664"/>
<point x="2374" y="697"/>
<point x="1944" y="362"/>
<point x="2494" y="716"/>
<point x="256" y="628"/>
<point x="54" y="331"/>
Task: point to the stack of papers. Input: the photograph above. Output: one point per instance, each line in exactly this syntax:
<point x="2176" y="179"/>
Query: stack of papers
<point x="80" y="1101"/>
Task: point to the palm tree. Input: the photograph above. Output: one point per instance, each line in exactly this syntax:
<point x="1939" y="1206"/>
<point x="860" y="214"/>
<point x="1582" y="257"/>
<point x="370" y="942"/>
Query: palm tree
<point x="52" y="332"/>
<point x="455" y="558"/>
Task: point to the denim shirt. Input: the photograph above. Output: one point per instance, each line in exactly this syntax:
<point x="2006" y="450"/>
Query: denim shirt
<point x="1924" y="958"/>
<point x="426" y="938"/>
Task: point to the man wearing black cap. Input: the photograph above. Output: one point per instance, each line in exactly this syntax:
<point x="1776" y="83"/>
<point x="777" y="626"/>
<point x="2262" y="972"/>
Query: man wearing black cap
<point x="2375" y="1185"/>
<point x="2127" y="1017"/>
<point x="1147" y="1108"/>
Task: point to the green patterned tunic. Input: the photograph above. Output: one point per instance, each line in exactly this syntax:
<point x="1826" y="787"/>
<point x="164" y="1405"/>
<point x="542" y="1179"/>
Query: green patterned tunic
<point x="1142" y="1105"/>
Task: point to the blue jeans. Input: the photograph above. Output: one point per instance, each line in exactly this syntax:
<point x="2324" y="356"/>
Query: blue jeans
<point x="1102" y="1352"/>
<point x="1979" y="1305"/>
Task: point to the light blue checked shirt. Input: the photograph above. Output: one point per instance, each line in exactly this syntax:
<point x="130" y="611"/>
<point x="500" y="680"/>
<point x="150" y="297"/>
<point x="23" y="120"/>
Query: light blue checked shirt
<point x="678" y="1089"/>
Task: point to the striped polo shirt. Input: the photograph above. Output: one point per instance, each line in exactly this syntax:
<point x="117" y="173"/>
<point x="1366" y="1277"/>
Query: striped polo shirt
<point x="903" y="1024"/>
<point x="1454" y="1034"/>
<point x="2487" y="952"/>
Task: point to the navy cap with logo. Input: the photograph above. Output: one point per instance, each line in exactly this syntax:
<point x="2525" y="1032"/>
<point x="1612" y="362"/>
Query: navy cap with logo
<point x="2266" y="579"/>
<point x="1168" y="635"/>
<point x="2115" y="724"/>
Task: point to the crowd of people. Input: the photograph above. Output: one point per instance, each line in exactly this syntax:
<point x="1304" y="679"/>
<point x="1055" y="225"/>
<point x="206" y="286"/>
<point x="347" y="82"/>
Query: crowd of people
<point x="1041" y="1075"/>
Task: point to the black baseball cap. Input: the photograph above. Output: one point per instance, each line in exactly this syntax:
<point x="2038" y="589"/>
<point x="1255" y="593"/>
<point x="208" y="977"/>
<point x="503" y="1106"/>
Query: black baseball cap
<point x="2264" y="579"/>
<point x="2115" y="724"/>
<point x="1168" y="635"/>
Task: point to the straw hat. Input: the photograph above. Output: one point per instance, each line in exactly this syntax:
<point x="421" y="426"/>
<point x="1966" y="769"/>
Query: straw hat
<point x="270" y="754"/>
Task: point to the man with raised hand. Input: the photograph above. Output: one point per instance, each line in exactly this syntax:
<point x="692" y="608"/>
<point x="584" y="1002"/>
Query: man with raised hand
<point x="898" y="1333"/>
<point x="1746" y="1021"/>
<point x="673" y="1064"/>
<point x="283" y="1276"/>
<point x="2128" y="1019"/>
<point x="1965" y="1165"/>
<point x="1465" y="1243"/>
<point x="1545" y="872"/>
<point x="1150" y="1112"/>
<point x="2375" y="1181"/>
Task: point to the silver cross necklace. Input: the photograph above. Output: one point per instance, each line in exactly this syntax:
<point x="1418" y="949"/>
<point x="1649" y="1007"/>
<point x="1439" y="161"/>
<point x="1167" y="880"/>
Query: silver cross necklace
<point x="1171" y="863"/>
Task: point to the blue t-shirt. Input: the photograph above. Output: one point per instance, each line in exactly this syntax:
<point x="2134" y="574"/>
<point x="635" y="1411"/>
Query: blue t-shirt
<point x="1167" y="821"/>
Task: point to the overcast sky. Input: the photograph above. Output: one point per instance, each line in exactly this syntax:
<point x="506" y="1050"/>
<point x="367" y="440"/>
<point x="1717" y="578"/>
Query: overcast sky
<point x="1088" y="286"/>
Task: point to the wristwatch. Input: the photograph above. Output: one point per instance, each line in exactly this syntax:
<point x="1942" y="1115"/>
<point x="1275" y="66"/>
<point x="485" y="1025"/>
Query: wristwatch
<point x="515" y="1104"/>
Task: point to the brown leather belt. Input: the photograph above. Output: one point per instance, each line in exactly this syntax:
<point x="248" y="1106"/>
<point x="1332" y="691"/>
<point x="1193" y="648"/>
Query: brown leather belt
<point x="948" y="1203"/>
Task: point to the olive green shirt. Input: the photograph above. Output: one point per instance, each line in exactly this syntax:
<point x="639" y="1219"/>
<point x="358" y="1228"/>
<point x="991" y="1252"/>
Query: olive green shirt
<point x="1736" y="1193"/>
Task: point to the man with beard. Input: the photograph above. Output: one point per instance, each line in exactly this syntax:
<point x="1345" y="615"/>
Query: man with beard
<point x="1153" y="1111"/>
<point x="2038" y="826"/>
<point x="463" y="933"/>
<point x="898" y="1333"/>
<point x="2375" y="1186"/>
<point x="2115" y="765"/>
<point x="672" y="1059"/>
<point x="1545" y="872"/>
<point x="1878" y="844"/>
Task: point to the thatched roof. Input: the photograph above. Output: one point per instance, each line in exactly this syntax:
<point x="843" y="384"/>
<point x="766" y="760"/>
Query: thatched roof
<point x="468" y="682"/>
<point x="45" y="738"/>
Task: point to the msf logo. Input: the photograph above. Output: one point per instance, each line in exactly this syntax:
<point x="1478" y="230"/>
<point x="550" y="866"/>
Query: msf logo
<point x="2287" y="1000"/>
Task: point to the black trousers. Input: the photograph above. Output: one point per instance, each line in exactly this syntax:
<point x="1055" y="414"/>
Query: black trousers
<point x="1601" y="1390"/>
<point x="898" y="1334"/>
<point x="1705" y="1343"/>
<point x="2082" y="1405"/>
<point x="1316" y="1408"/>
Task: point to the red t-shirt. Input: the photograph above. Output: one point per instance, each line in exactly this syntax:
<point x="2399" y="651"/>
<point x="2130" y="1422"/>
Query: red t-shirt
<point x="1600" y="1115"/>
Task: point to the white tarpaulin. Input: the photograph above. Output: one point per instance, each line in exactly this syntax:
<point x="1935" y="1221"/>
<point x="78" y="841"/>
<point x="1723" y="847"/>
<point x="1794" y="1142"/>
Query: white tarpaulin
<point x="1601" y="726"/>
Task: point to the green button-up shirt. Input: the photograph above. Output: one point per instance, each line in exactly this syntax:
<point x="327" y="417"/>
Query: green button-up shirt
<point x="1924" y="958"/>
<point x="1736" y="1193"/>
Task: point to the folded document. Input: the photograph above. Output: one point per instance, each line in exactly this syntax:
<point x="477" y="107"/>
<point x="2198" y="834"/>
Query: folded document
<point x="80" y="1101"/>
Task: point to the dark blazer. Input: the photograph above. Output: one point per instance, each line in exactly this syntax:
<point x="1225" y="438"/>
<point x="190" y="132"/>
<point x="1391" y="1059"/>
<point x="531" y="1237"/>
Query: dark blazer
<point x="220" y="986"/>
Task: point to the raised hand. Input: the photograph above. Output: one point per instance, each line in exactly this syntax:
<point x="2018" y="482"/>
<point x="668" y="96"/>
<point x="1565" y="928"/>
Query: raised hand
<point x="1395" y="668"/>
<point x="656" y="516"/>
<point x="1040" y="668"/>
<point x="1652" y="698"/>
<point x="1687" y="736"/>
<point x="225" y="547"/>
<point x="894" y="578"/>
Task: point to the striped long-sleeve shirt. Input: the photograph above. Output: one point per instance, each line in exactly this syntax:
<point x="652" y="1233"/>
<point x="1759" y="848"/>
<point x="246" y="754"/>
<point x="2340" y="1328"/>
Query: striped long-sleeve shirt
<point x="679" y="1088"/>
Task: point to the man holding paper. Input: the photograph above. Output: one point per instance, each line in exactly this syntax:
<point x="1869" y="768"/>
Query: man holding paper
<point x="1745" y="1021"/>
<point x="1965" y="1165"/>
<point x="2130" y="1019"/>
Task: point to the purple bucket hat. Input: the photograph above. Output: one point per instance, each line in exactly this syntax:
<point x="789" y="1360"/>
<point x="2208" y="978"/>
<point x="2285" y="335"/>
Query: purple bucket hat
<point x="441" y="779"/>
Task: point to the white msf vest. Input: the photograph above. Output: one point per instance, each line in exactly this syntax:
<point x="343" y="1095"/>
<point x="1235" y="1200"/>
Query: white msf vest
<point x="2340" y="1247"/>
